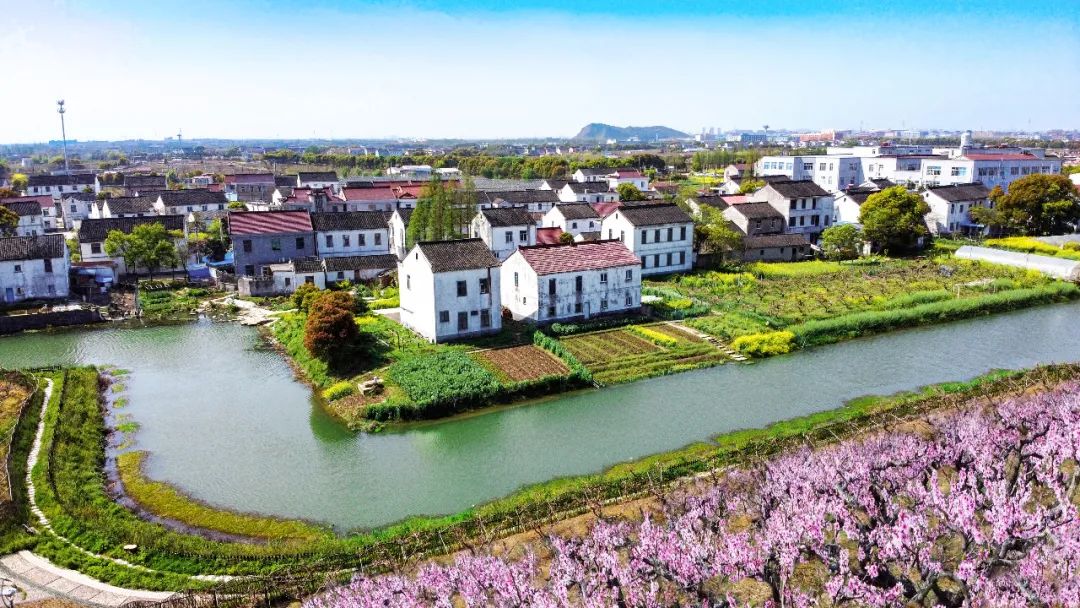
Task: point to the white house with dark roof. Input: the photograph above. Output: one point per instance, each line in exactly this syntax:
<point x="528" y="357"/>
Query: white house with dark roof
<point x="807" y="207"/>
<point x="357" y="267"/>
<point x="183" y="202"/>
<point x="548" y="283"/>
<point x="591" y="174"/>
<point x="317" y="180"/>
<point x="351" y="233"/>
<point x="31" y="218"/>
<point x="93" y="232"/>
<point x="249" y="187"/>
<point x="575" y="218"/>
<point x="33" y="267"/>
<point x="504" y="229"/>
<point x="58" y="185"/>
<point x="754" y="219"/>
<point x="125" y="206"/>
<point x="587" y="192"/>
<point x="137" y="184"/>
<point x="628" y="176"/>
<point x="450" y="290"/>
<point x="77" y="207"/>
<point x="660" y="235"/>
<point x="536" y="201"/>
<point x="950" y="207"/>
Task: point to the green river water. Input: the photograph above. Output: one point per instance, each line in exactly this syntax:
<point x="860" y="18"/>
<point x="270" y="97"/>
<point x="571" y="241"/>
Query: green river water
<point x="225" y="421"/>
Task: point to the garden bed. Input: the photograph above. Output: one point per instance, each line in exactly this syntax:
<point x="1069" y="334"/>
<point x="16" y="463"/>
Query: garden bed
<point x="521" y="363"/>
<point x="623" y="355"/>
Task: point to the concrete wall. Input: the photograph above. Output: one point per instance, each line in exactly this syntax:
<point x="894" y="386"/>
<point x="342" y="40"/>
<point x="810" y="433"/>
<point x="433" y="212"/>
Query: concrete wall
<point x="263" y="252"/>
<point x="10" y="324"/>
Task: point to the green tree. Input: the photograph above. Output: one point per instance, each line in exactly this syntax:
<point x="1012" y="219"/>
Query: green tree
<point x="9" y="221"/>
<point x="19" y="182"/>
<point x="330" y="329"/>
<point x="629" y="192"/>
<point x="304" y="295"/>
<point x="566" y="238"/>
<point x="841" y="242"/>
<point x="714" y="234"/>
<point x="749" y="186"/>
<point x="894" y="219"/>
<point x="148" y="246"/>
<point x="1036" y="204"/>
<point x="237" y="205"/>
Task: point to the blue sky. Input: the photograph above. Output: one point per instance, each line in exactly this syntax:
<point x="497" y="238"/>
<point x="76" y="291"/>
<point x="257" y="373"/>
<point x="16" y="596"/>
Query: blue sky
<point x="487" y="69"/>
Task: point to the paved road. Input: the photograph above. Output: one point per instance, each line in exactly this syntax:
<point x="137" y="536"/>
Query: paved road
<point x="37" y="578"/>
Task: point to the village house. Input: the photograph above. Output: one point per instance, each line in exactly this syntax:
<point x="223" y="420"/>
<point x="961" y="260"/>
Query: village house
<point x="398" y="225"/>
<point x="660" y="235"/>
<point x="374" y="198"/>
<point x="762" y="227"/>
<point x="591" y="175"/>
<point x="283" y="278"/>
<point x="261" y="238"/>
<point x="736" y="170"/>
<point x="754" y="219"/>
<point x="31" y="215"/>
<point x="181" y="202"/>
<point x="246" y="187"/>
<point x="628" y="176"/>
<point x="77" y="207"/>
<point x="450" y="290"/>
<point x="93" y="232"/>
<point x="356" y="268"/>
<point x="547" y="283"/>
<point x="587" y="192"/>
<point x="535" y="201"/>
<point x="58" y="185"/>
<point x="504" y="229"/>
<point x="348" y="233"/>
<point x="950" y="207"/>
<point x="33" y="268"/>
<point x="579" y="219"/>
<point x="807" y="208"/>
<point x="317" y="180"/>
<point x="125" y="206"/>
<point x="775" y="248"/>
<point x="137" y="184"/>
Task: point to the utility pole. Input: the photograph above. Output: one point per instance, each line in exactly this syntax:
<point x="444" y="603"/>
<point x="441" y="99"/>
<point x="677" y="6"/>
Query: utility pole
<point x="63" y="133"/>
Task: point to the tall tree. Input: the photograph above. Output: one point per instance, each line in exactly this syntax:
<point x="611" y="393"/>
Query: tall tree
<point x="19" y="182"/>
<point x="841" y="242"/>
<point x="148" y="246"/>
<point x="1035" y="204"/>
<point x="9" y="221"/>
<point x="629" y="192"/>
<point x="330" y="329"/>
<point x="894" y="219"/>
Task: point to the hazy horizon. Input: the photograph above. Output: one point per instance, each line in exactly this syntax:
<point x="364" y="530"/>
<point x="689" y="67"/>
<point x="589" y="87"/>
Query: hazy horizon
<point x="282" y="69"/>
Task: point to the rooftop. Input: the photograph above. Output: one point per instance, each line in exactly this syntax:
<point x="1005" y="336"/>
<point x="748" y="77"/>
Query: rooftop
<point x="131" y="204"/>
<point x="507" y="216"/>
<point x="317" y="176"/>
<point x="450" y="256"/>
<point x="653" y="214"/>
<point x="24" y="208"/>
<point x="962" y="192"/>
<point x="360" y="262"/>
<point x="349" y="220"/>
<point x="521" y="197"/>
<point x="250" y="178"/>
<point x="756" y="210"/>
<point x="369" y="194"/>
<point x="577" y="211"/>
<point x="75" y="179"/>
<point x="775" y="240"/>
<point x="268" y="222"/>
<point x="801" y="188"/>
<point x="47" y="246"/>
<point x="197" y="196"/>
<point x="578" y="257"/>
<point x="96" y="231"/>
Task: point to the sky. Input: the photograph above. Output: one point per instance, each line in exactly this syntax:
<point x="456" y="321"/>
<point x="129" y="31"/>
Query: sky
<point x="541" y="68"/>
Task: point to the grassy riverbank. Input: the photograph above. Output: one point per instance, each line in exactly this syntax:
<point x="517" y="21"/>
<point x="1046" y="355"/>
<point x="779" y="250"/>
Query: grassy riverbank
<point x="71" y="490"/>
<point x="20" y="406"/>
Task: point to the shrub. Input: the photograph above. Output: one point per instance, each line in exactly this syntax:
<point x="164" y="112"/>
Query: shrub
<point x="330" y="328"/>
<point x="915" y="298"/>
<point x="445" y="381"/>
<point x="339" y="390"/>
<point x="1072" y="246"/>
<point x="1025" y="244"/>
<point x="381" y="303"/>
<point x="304" y="295"/>
<point x="765" y="345"/>
<point x="653" y="336"/>
<point x="567" y="329"/>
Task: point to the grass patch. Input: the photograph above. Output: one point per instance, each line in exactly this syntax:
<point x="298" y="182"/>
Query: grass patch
<point x="163" y="500"/>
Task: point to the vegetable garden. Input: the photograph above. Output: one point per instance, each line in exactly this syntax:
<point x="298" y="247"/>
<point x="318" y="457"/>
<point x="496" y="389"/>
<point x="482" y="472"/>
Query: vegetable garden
<point x="624" y="355"/>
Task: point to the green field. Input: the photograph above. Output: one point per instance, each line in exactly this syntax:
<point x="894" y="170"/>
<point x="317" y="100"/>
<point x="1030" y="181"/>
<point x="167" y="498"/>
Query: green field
<point x="621" y="355"/>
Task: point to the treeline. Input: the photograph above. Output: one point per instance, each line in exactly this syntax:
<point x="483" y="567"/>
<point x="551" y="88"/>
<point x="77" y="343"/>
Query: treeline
<point x="474" y="163"/>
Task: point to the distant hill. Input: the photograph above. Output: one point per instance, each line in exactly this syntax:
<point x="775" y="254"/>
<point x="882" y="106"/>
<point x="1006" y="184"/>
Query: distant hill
<point x="598" y="131"/>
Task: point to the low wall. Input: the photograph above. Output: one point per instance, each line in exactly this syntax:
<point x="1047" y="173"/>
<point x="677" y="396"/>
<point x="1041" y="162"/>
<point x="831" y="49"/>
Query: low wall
<point x="10" y="324"/>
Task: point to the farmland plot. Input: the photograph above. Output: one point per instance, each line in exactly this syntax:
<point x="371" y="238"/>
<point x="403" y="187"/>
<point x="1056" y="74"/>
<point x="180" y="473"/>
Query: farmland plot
<point x="619" y="356"/>
<point x="521" y="363"/>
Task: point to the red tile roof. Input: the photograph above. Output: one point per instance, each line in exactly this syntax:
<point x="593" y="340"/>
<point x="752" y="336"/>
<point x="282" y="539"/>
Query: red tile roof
<point x="605" y="209"/>
<point x="1001" y="157"/>
<point x="548" y="236"/>
<point x="368" y="194"/>
<point x="268" y="222"/>
<point x="216" y="187"/>
<point x="628" y="174"/>
<point x="735" y="199"/>
<point x="597" y="255"/>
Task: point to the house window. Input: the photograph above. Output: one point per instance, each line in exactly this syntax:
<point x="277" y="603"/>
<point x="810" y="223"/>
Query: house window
<point x="821" y="166"/>
<point x="958" y="171"/>
<point x="603" y="304"/>
<point x="551" y="287"/>
<point x="249" y="270"/>
<point x="523" y="236"/>
<point x="340" y="276"/>
<point x="656" y="260"/>
<point x="288" y="281"/>
<point x="682" y="233"/>
<point x="577" y="307"/>
<point x="95" y="247"/>
<point x="18" y="267"/>
<point x="73" y="208"/>
<point x="247" y="246"/>
<point x="515" y="279"/>
<point x="463" y="321"/>
<point x="509" y="237"/>
<point x="573" y="225"/>
<point x="933" y="170"/>
<point x="603" y="277"/>
<point x="485" y="318"/>
<point x="629" y="275"/>
<point x="329" y="240"/>
<point x="682" y="258"/>
<point x="275" y="244"/>
<point x="577" y="284"/>
<point x="483" y="286"/>
<point x="48" y="265"/>
<point x="309" y="279"/>
<point x="670" y="234"/>
<point x="299" y="242"/>
<point x="408" y="281"/>
<point x="802" y="220"/>
<point x="52" y="290"/>
<point x="444" y="316"/>
<point x="644" y="237"/>
<point x="629" y="299"/>
<point x="813" y="204"/>
<point x="669" y="258"/>
<point x="462" y="289"/>
<point x="360" y="240"/>
<point x="550" y="311"/>
<point x="656" y="235"/>
<point x="792" y="204"/>
<point x="345" y="240"/>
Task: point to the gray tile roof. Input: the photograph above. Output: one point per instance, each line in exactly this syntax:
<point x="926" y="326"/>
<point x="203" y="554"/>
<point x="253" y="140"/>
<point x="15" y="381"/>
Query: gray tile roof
<point x="448" y="256"/>
<point x="48" y="246"/>
<point x="307" y="264"/>
<point x="654" y="215"/>
<point x="144" y="181"/>
<point x="317" y="176"/>
<point x="507" y="216"/>
<point x="577" y="211"/>
<point x="586" y="188"/>
<point x="75" y="179"/>
<point x="522" y="197"/>
<point x="24" y="208"/>
<point x="349" y="220"/>
<point x="360" y="262"/>
<point x="95" y="231"/>
<point x="799" y="189"/>
<point x="132" y="204"/>
<point x="962" y="192"/>
<point x="175" y="198"/>
<point x="756" y="210"/>
<point x="484" y="183"/>
<point x="285" y="180"/>
<point x="767" y="241"/>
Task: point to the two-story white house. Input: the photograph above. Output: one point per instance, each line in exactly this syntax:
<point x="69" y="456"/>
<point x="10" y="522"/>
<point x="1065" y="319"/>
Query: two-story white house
<point x="660" y="235"/>
<point x="365" y="199"/>
<point x="33" y="268"/>
<point x="317" y="180"/>
<point x="58" y="185"/>
<point x="587" y="192"/>
<point x="950" y="207"/>
<point x="31" y="218"/>
<point x="77" y="207"/>
<point x="628" y="176"/>
<point x="807" y="208"/>
<point x="94" y="232"/>
<point x="183" y="202"/>
<point x="579" y="219"/>
<point x="591" y="175"/>
<point x="125" y="206"/>
<point x="536" y="201"/>
<point x="548" y="283"/>
<point x="398" y="226"/>
<point x="504" y="229"/>
<point x="348" y="233"/>
<point x="450" y="290"/>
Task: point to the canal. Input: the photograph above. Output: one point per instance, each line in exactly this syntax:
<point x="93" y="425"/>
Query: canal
<point x="224" y="419"/>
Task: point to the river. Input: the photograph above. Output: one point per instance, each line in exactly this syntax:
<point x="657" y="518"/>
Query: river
<point x="224" y="419"/>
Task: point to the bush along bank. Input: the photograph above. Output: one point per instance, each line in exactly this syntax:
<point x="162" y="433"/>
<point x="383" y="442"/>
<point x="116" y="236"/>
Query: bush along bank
<point x="825" y="331"/>
<point x="95" y="524"/>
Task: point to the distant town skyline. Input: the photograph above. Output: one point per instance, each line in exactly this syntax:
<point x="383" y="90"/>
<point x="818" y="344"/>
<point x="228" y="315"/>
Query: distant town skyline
<point x="251" y="69"/>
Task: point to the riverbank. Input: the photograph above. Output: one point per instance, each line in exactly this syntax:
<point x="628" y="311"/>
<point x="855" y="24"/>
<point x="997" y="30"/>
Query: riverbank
<point x="90" y="520"/>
